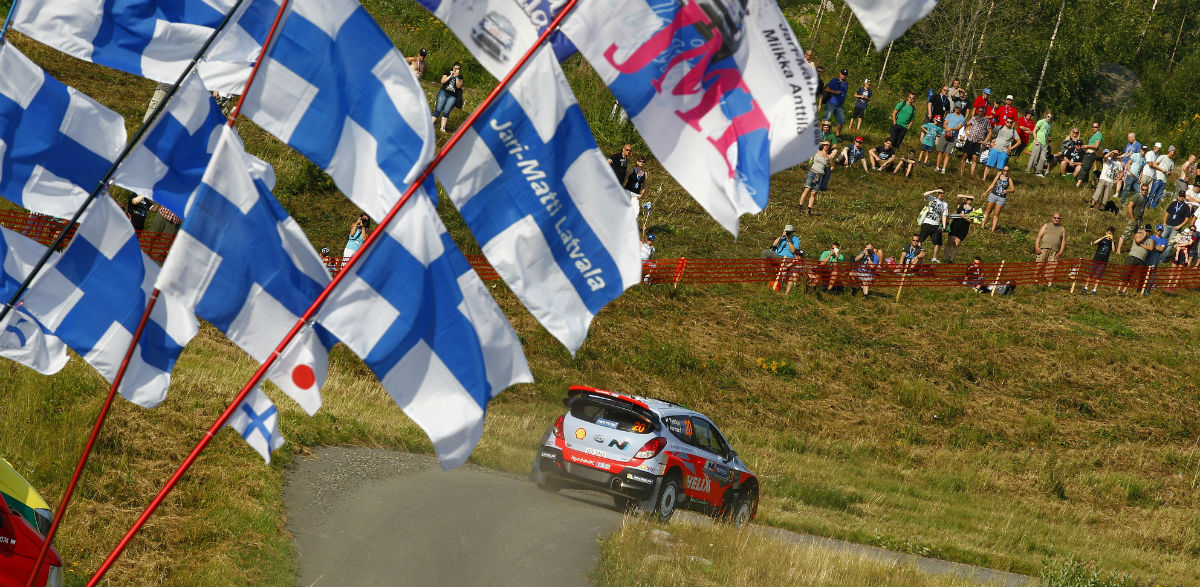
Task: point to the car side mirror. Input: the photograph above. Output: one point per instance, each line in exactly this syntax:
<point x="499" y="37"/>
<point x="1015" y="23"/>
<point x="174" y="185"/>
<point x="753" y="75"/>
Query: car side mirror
<point x="732" y="455"/>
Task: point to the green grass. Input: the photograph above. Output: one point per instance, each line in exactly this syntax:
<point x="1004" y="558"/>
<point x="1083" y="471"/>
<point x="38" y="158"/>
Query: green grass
<point x="1026" y="432"/>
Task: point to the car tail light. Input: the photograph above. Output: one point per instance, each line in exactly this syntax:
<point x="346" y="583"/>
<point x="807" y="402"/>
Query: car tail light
<point x="652" y="448"/>
<point x="558" y="424"/>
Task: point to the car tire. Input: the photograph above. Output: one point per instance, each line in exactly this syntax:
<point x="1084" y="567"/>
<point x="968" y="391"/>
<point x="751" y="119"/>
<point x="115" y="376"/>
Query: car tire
<point x="668" y="499"/>
<point x="542" y="480"/>
<point x="743" y="510"/>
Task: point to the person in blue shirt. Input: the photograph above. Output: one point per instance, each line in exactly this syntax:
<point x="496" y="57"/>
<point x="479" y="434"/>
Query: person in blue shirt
<point x="787" y="247"/>
<point x="835" y="98"/>
<point x="358" y="233"/>
<point x="861" y="98"/>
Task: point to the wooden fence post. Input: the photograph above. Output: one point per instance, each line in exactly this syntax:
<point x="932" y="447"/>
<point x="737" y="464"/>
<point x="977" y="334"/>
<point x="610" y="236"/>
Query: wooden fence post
<point x="1074" y="276"/>
<point x="999" y="272"/>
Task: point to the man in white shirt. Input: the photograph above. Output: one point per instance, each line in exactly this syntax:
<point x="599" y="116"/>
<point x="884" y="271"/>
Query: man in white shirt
<point x="933" y="220"/>
<point x="1162" y="166"/>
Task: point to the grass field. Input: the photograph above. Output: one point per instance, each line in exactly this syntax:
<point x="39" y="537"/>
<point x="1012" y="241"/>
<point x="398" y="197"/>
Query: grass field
<point x="1028" y="432"/>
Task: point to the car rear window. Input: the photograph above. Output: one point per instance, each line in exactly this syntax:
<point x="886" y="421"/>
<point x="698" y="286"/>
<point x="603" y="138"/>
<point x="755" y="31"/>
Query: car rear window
<point x="611" y="417"/>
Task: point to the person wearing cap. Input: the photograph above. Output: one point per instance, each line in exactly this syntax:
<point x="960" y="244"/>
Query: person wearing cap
<point x="1175" y="217"/>
<point x="1162" y="165"/>
<point x="1002" y="139"/>
<point x="1039" y="151"/>
<point x="787" y="247"/>
<point x="977" y="131"/>
<point x="930" y="131"/>
<point x="981" y="103"/>
<point x="960" y="224"/>
<point x="827" y="134"/>
<point x="647" y="248"/>
<point x="946" y="139"/>
<point x="938" y="104"/>
<point x="1090" y="150"/>
<point x="1155" y="256"/>
<point x="1110" y="165"/>
<point x="418" y="63"/>
<point x="933" y="220"/>
<point x="1072" y="153"/>
<point x="835" y="99"/>
<point x="1005" y="111"/>
<point x="1139" y="250"/>
<point x="853" y="154"/>
<point x="1048" y="246"/>
<point x="902" y="117"/>
<point x="1135" y="211"/>
<point x="862" y="97"/>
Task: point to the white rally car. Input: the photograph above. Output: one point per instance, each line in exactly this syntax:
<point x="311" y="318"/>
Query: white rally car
<point x="648" y="454"/>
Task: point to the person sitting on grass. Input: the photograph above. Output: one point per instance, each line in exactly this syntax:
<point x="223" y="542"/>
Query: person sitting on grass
<point x="906" y="163"/>
<point x="853" y="154"/>
<point x="882" y="156"/>
<point x="912" y="254"/>
<point x="812" y="183"/>
<point x="1072" y="155"/>
<point x="1104" y="247"/>
<point x="930" y="131"/>
<point x="826" y="268"/>
<point x="973" y="277"/>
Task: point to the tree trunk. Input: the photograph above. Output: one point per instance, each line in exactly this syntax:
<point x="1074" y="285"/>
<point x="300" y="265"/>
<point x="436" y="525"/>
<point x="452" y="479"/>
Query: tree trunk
<point x="1046" y="61"/>
<point x="1145" y="27"/>
<point x="979" y="46"/>
<point x="846" y="29"/>
<point x="812" y="33"/>
<point x="885" y="60"/>
<point x="1177" y="35"/>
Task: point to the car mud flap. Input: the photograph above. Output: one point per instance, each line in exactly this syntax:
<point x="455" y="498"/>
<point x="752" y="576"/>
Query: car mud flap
<point x="648" y="505"/>
<point x="535" y="473"/>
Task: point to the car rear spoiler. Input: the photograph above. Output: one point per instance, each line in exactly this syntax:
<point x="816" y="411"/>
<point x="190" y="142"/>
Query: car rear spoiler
<point x="628" y="402"/>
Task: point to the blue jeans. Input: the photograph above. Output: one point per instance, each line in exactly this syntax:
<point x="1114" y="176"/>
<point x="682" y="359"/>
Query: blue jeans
<point x="838" y="112"/>
<point x="1131" y="187"/>
<point x="443" y="104"/>
<point x="1156" y="192"/>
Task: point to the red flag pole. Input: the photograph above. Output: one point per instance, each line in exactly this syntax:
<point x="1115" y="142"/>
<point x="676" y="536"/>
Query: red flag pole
<point x="316" y="305"/>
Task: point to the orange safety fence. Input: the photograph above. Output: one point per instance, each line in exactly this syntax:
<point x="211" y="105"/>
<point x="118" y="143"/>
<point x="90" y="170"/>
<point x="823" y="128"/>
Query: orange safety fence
<point x="777" y="272"/>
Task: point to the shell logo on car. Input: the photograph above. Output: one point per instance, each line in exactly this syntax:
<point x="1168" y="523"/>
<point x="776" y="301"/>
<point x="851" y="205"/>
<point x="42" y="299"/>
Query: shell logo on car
<point x="581" y="434"/>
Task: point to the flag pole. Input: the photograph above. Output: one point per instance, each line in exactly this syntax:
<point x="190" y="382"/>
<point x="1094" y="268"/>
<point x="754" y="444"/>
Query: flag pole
<point x="12" y="9"/>
<point x="103" y="183"/>
<point x="316" y="305"/>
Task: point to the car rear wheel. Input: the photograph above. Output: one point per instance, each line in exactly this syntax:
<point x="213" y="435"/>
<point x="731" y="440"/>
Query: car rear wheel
<point x="542" y="480"/>
<point x="668" y="499"/>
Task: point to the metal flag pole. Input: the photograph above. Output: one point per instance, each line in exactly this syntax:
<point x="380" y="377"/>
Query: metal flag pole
<point x="120" y="376"/>
<point x="316" y="305"/>
<point x="12" y="9"/>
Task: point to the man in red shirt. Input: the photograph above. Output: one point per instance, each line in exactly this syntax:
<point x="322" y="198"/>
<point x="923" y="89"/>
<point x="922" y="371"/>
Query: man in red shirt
<point x="1004" y="111"/>
<point x="1024" y="131"/>
<point x="981" y="103"/>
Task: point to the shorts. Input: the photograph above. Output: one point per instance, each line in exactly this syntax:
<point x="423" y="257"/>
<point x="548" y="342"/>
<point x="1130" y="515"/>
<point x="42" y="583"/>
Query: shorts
<point x="863" y="276"/>
<point x="970" y="149"/>
<point x="959" y="228"/>
<point x="1088" y="159"/>
<point x="997" y="159"/>
<point x="1133" y="267"/>
<point x="1096" y="271"/>
<point x="944" y="146"/>
<point x="926" y="148"/>
<point x="1045" y="255"/>
<point x="443" y="104"/>
<point x="1130" y="228"/>
<point x="813" y="181"/>
<point x="995" y="199"/>
<point x="858" y="111"/>
<point x="838" y="111"/>
<point x="932" y="232"/>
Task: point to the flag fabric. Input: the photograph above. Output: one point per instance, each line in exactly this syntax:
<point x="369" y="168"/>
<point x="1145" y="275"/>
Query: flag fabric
<point x="678" y="70"/>
<point x="155" y="39"/>
<point x="334" y="87"/>
<point x="22" y="339"/>
<point x="166" y="166"/>
<point x="93" y="298"/>
<point x="499" y="32"/>
<point x="55" y="143"/>
<point x="543" y="202"/>
<point x="885" y="20"/>
<point x="256" y="420"/>
<point x="424" y="323"/>
<point x="241" y="263"/>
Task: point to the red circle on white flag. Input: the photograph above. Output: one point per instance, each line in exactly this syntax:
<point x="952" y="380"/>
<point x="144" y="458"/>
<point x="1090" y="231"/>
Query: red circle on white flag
<point x="303" y="376"/>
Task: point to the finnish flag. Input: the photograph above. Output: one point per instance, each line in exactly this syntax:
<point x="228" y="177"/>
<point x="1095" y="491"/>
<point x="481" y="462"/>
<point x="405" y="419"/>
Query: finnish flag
<point x="256" y="420"/>
<point x="168" y="163"/>
<point x="55" y="142"/>
<point x="542" y="201"/>
<point x="244" y="265"/>
<point x="22" y="339"/>
<point x="93" y="298"/>
<point x="424" y="323"/>
<point x="334" y="87"/>
<point x="155" y="39"/>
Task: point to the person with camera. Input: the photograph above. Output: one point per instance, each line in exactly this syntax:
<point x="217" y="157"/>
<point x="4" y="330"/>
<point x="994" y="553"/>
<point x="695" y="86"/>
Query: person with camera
<point x="358" y="233"/>
<point x="826" y="268"/>
<point x="787" y="247"/>
<point x="864" y="273"/>
<point x="449" y="96"/>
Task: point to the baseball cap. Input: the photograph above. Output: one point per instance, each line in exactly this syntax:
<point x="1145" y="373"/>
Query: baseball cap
<point x="1148" y="227"/>
<point x="866" y="81"/>
<point x="1008" y="97"/>
<point x="650" y="238"/>
<point x="858" y="139"/>
<point x="1171" y="148"/>
<point x="424" y="52"/>
<point x="987" y="91"/>
<point x="845" y="72"/>
<point x="789" y="228"/>
<point x="1159" y="227"/>
<point x="1159" y="145"/>
<point x="938" y="117"/>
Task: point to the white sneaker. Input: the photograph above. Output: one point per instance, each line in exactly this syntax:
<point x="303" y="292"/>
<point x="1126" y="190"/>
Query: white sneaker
<point x="943" y="171"/>
<point x="934" y="260"/>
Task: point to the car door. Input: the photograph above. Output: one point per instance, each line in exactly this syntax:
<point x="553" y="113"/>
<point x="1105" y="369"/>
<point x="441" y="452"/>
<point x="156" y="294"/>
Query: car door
<point x="718" y="476"/>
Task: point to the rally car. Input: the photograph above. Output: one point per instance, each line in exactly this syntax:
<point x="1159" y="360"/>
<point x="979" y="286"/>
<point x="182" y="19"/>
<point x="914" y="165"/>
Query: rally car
<point x="650" y="455"/>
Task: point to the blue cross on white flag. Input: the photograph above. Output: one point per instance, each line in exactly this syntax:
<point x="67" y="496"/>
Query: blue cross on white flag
<point x="149" y="38"/>
<point x="421" y="319"/>
<point x="334" y="88"/>
<point x="245" y="266"/>
<point x="543" y="202"/>
<point x="93" y="298"/>
<point x="256" y="419"/>
<point x="22" y="339"/>
<point x="55" y="142"/>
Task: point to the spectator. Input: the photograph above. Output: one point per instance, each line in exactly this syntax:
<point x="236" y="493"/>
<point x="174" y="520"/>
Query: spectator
<point x="1162" y="166"/>
<point x="1049" y="245"/>
<point x="1134" y="162"/>
<point x="1071" y="154"/>
<point x="960" y="224"/>
<point x="938" y="105"/>
<point x="912" y="254"/>
<point x="930" y="131"/>
<point x="1135" y="211"/>
<point x="835" y="98"/>
<point x="902" y="117"/>
<point x="812" y="182"/>
<point x="933" y="220"/>
<point x="1147" y="176"/>
<point x="820" y="87"/>
<point x="1109" y="166"/>
<point x="1104" y="247"/>
<point x="1090" y="150"/>
<point x="137" y="209"/>
<point x="1024" y="133"/>
<point x="331" y="265"/>
<point x="358" y="233"/>
<point x="979" y="106"/>
<point x="1185" y="171"/>
<point x="945" y="141"/>
<point x="787" y="247"/>
<point x="619" y="162"/>
<point x="1182" y="245"/>
<point x="417" y="64"/>
<point x="160" y="92"/>
<point x="1132" y="145"/>
<point x="647" y="247"/>
<point x="1004" y="112"/>
<point x="853" y="154"/>
<point x="1039" y="152"/>
<point x="1002" y="185"/>
<point x="1138" y="251"/>
<point x="1177" y="215"/>
<point x="906" y="163"/>
<point x="882" y="156"/>
<point x="826" y="268"/>
<point x="636" y="181"/>
<point x="1003" y="139"/>
<point x="978" y="130"/>
<point x="449" y="96"/>
<point x="864" y="273"/>
<point x="958" y="96"/>
<point x="861" y="98"/>
<point x="973" y="277"/>
<point x="166" y="222"/>
<point x="1155" y="256"/>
